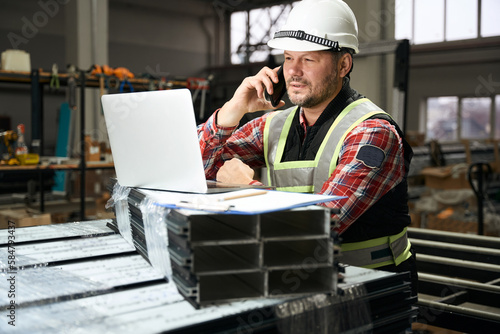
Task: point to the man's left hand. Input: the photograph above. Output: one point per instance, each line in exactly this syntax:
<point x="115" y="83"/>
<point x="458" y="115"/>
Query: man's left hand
<point x="235" y="171"/>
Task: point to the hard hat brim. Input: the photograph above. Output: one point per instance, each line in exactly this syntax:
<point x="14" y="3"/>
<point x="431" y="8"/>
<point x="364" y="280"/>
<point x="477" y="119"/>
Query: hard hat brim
<point x="293" y="44"/>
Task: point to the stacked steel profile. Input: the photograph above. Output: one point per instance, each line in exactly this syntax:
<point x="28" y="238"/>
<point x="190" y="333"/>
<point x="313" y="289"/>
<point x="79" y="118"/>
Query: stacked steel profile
<point x="83" y="277"/>
<point x="226" y="257"/>
<point x="285" y="258"/>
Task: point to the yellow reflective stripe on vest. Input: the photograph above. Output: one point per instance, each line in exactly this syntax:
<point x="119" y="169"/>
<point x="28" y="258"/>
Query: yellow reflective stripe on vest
<point x="344" y="113"/>
<point x="378" y="252"/>
<point x="266" y="147"/>
<point x="336" y="153"/>
<point x="310" y="175"/>
<point x="296" y="189"/>
<point x="337" y="121"/>
<point x="271" y="152"/>
<point x="348" y="119"/>
<point x="284" y="135"/>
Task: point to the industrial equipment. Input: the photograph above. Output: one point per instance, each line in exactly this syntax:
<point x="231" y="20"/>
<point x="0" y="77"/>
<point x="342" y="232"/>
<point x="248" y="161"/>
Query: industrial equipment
<point x="17" y="151"/>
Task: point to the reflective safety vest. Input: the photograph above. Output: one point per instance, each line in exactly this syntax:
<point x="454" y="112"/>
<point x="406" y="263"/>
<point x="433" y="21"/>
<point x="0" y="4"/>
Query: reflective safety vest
<point x="308" y="176"/>
<point x="377" y="252"/>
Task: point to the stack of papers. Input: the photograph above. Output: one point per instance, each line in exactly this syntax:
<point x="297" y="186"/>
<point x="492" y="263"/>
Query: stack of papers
<point x="247" y="201"/>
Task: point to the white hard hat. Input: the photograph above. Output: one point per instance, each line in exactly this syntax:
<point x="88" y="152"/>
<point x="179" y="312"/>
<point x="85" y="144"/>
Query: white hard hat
<point x="315" y="25"/>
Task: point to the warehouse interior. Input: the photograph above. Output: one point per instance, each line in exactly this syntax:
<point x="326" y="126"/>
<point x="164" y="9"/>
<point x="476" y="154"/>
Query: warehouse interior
<point x="433" y="68"/>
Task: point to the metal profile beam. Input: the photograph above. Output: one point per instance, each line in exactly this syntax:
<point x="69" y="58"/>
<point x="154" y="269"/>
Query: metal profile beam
<point x="457" y="318"/>
<point x="478" y="293"/>
<point x="460" y="283"/>
<point x="458" y="277"/>
<point x="455" y="238"/>
<point x="459" y="268"/>
<point x="458" y="251"/>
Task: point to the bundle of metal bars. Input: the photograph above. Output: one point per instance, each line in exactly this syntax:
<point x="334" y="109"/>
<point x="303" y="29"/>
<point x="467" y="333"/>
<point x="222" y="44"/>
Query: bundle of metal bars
<point x="218" y="258"/>
<point x="83" y="277"/>
<point x="459" y="278"/>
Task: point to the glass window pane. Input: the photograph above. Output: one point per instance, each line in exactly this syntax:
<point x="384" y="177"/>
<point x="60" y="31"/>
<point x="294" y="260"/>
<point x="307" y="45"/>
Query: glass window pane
<point x="260" y="22"/>
<point x="262" y="28"/>
<point x="280" y="14"/>
<point x="404" y="19"/>
<point x="475" y="113"/>
<point x="263" y="23"/>
<point x="461" y="19"/>
<point x="442" y="118"/>
<point x="497" y="117"/>
<point x="429" y="21"/>
<point x="238" y="36"/>
<point x="489" y="18"/>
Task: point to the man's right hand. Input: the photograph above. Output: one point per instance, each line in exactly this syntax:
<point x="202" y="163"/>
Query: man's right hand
<point x="249" y="97"/>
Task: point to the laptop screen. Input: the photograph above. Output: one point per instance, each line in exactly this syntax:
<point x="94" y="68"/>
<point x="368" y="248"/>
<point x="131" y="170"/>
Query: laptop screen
<point x="154" y="141"/>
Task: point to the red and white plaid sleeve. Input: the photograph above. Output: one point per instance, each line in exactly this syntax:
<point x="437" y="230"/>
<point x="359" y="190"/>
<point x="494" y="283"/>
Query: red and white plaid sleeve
<point x="219" y="144"/>
<point x="363" y="185"/>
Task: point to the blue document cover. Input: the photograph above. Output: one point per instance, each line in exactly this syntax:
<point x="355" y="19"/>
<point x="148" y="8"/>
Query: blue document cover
<point x="242" y="202"/>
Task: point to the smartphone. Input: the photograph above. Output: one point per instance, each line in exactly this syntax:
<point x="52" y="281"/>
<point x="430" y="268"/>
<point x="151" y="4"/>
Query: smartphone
<point x="279" y="89"/>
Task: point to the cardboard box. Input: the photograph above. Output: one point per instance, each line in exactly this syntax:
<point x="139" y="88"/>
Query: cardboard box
<point x="455" y="224"/>
<point x="23" y="218"/>
<point x="92" y="150"/>
<point x="450" y="224"/>
<point x="96" y="182"/>
<point x="448" y="177"/>
<point x="16" y="60"/>
<point x="415" y="138"/>
<point x="415" y="219"/>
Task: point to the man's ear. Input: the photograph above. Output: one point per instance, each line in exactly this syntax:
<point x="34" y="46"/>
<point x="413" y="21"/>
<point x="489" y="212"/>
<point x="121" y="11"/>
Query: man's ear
<point x="344" y="64"/>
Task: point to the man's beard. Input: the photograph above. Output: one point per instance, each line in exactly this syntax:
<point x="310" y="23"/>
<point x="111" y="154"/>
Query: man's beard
<point x="322" y="92"/>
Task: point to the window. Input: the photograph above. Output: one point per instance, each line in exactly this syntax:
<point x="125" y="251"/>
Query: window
<point x="442" y="115"/>
<point x="250" y="31"/>
<point x="489" y="18"/>
<point x="497" y="117"/>
<point x="475" y="121"/>
<point x="429" y="21"/>
<point x="461" y="19"/>
<point x="452" y="118"/>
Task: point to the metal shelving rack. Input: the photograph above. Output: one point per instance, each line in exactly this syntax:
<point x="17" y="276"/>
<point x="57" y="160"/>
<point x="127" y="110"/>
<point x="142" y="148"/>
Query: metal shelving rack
<point x="37" y="78"/>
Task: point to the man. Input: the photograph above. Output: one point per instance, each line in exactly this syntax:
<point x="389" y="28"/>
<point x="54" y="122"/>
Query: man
<point x="334" y="141"/>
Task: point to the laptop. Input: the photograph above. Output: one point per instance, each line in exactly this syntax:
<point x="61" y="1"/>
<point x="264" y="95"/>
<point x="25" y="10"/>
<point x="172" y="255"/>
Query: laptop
<point x="154" y="142"/>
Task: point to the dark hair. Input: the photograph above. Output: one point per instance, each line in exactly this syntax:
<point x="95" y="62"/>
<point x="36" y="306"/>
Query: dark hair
<point x="343" y="51"/>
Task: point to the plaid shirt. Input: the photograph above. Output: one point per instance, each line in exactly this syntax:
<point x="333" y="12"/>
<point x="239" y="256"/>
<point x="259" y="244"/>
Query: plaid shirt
<point x="362" y="185"/>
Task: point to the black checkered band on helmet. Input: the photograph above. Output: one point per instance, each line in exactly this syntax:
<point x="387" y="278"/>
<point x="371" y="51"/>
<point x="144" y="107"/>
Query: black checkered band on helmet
<point x="303" y="36"/>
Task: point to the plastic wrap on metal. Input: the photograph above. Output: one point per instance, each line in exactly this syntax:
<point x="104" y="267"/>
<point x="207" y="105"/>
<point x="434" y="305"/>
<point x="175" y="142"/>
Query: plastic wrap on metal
<point x="58" y="231"/>
<point x="119" y="203"/>
<point x="155" y="232"/>
<point x="42" y="284"/>
<point x="30" y="255"/>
